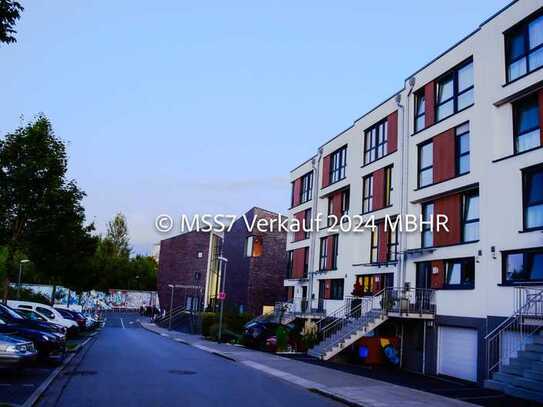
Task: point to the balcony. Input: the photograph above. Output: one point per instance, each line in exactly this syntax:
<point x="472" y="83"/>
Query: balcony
<point x="299" y="307"/>
<point x="417" y="303"/>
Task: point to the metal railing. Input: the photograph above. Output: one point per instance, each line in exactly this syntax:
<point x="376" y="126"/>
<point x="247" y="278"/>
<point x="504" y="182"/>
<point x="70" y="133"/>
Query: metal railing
<point x="175" y="312"/>
<point x="355" y="313"/>
<point x="300" y="306"/>
<point x="405" y="300"/>
<point x="513" y="334"/>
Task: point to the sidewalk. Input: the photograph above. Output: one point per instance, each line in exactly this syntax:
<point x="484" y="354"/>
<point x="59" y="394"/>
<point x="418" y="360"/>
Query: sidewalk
<point x="355" y="390"/>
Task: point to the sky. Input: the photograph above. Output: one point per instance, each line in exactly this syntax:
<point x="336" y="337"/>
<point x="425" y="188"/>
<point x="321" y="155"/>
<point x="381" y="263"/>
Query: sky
<point x="179" y="107"/>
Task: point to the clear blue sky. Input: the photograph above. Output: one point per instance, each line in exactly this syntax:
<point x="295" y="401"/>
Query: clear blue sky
<point x="177" y="107"/>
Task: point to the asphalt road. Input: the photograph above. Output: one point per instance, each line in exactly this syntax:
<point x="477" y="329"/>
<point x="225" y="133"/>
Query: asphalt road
<point x="128" y="366"/>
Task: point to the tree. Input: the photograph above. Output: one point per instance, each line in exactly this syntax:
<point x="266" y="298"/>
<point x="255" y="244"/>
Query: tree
<point x="40" y="209"/>
<point x="10" y="12"/>
<point x="117" y="234"/>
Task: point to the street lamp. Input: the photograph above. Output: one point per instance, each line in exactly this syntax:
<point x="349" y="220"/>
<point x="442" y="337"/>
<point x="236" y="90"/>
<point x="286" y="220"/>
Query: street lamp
<point x="225" y="261"/>
<point x="20" y="273"/>
<point x="173" y="287"/>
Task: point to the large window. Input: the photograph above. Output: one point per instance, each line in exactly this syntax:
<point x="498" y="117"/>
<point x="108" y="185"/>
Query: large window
<point x="388" y="186"/>
<point x="338" y="163"/>
<point x="524" y="48"/>
<point x="460" y="273"/>
<point x="367" y="194"/>
<point x="470" y="217"/>
<point x="375" y="142"/>
<point x="392" y="245"/>
<point x="454" y="91"/>
<point x="420" y="110"/>
<point x="253" y="246"/>
<point x="374" y="245"/>
<point x="523" y="266"/>
<point x="427" y="233"/>
<point x="323" y="256"/>
<point x="307" y="187"/>
<point x="533" y="198"/>
<point x="336" y="289"/>
<point x="328" y="253"/>
<point x="426" y="164"/>
<point x="462" y="149"/>
<point x="526" y="124"/>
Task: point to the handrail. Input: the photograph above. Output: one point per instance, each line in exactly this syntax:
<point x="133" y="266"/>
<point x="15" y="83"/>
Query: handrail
<point x="175" y="311"/>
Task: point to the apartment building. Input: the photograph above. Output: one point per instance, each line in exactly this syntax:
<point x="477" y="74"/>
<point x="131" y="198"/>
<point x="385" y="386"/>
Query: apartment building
<point x="460" y="138"/>
<point x="256" y="263"/>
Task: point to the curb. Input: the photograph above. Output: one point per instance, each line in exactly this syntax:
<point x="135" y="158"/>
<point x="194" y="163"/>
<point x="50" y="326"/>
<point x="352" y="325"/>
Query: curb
<point x="335" y="397"/>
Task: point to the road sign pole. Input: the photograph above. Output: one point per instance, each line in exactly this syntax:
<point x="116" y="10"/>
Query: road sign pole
<point x="222" y="299"/>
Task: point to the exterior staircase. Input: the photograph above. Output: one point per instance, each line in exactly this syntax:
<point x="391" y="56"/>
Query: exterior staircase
<point x="356" y="318"/>
<point x="172" y="319"/>
<point x="515" y="349"/>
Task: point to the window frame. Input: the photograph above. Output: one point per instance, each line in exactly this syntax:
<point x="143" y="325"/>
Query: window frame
<point x="366" y="191"/>
<point x="338" y="165"/>
<point x="307" y="223"/>
<point x="335" y="289"/>
<point x="306" y="187"/>
<point x="290" y="263"/>
<point x="527" y="173"/>
<point x="466" y="261"/>
<point x="521" y="28"/>
<point x="387" y="196"/>
<point x="421" y="169"/>
<point x="392" y="246"/>
<point x="369" y="147"/>
<point x="323" y="253"/>
<point x="420" y="95"/>
<point x="516" y="121"/>
<point x="525" y="253"/>
<point x="306" y="262"/>
<point x="459" y="155"/>
<point x="463" y="221"/>
<point x="345" y="201"/>
<point x="426" y="227"/>
<point x="453" y="75"/>
<point x="374" y="245"/>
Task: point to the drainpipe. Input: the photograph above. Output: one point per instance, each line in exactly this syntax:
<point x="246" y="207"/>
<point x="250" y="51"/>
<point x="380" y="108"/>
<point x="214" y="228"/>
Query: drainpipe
<point x="315" y="163"/>
<point x="404" y="178"/>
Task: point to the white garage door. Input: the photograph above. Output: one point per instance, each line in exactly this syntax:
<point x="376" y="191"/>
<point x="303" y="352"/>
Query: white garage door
<point x="457" y="352"/>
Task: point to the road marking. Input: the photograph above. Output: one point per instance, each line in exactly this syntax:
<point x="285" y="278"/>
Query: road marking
<point x="122" y="323"/>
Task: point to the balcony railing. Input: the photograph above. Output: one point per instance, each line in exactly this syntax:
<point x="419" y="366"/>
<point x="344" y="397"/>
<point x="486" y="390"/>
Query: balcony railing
<point x="405" y="300"/>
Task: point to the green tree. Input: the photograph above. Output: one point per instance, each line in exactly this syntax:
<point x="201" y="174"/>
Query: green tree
<point x="10" y="12"/>
<point x="117" y="234"/>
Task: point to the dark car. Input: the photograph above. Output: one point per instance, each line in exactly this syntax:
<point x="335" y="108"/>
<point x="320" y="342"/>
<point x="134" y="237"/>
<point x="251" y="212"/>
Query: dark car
<point x="37" y="322"/>
<point x="257" y="333"/>
<point x="16" y="352"/>
<point x="74" y="316"/>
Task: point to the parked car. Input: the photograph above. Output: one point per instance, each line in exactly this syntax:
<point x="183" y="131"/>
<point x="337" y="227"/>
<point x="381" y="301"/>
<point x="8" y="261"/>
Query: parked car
<point x="256" y="334"/>
<point x="39" y="323"/>
<point x="48" y="344"/>
<point x="74" y="316"/>
<point x="16" y="351"/>
<point x="49" y="313"/>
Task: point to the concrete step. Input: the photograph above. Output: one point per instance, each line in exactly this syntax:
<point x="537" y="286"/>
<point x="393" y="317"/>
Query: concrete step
<point x="534" y="347"/>
<point x="522" y="393"/>
<point x="505" y="377"/>
<point x="530" y="355"/>
<point x="534" y="375"/>
<point x="523" y="363"/>
<point x="494" y="385"/>
<point x="534" y="385"/>
<point x="538" y="339"/>
<point x="514" y="370"/>
<point x="538" y="366"/>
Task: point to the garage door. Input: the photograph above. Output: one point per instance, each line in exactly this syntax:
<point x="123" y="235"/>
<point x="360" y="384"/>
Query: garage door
<point x="457" y="352"/>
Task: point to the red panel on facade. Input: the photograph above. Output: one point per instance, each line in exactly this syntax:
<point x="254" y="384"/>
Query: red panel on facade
<point x="392" y="124"/>
<point x="444" y="156"/>
<point x="296" y="192"/>
<point x="429" y="104"/>
<point x="326" y="171"/>
<point x="290" y="293"/>
<point x="438" y="274"/>
<point x="300" y="217"/>
<point x="337" y="204"/>
<point x="449" y="206"/>
<point x="298" y="263"/>
<point x="540" y="100"/>
<point x="382" y="252"/>
<point x="330" y="248"/>
<point x="379" y="189"/>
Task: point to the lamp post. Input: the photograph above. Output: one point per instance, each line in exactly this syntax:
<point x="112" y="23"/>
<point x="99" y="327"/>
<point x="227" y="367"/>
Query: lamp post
<point x="173" y="287"/>
<point x="20" y="274"/>
<point x="224" y="261"/>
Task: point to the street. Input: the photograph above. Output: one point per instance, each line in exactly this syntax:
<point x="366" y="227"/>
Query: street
<point x="129" y="366"/>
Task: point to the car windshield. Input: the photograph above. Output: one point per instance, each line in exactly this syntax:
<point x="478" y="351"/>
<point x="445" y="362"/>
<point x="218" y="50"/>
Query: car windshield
<point x="32" y="315"/>
<point x="13" y="314"/>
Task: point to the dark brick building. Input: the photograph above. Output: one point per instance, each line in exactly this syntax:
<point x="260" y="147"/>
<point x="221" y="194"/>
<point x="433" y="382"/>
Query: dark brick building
<point x="190" y="260"/>
<point x="257" y="264"/>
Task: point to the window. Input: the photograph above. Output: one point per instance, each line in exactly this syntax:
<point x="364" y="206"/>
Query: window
<point x="388" y="186"/>
<point x="331" y="210"/>
<point x="307" y="223"/>
<point x="345" y="197"/>
<point x="427" y="233"/>
<point x="290" y="259"/>
<point x="323" y="258"/>
<point x="253" y="246"/>
<point x="524" y="48"/>
<point x="526" y="124"/>
<point x="460" y="273"/>
<point x="307" y="187"/>
<point x="338" y="163"/>
<point x="523" y="266"/>
<point x="336" y="289"/>
<point x="45" y="312"/>
<point x="367" y="194"/>
<point x="392" y="245"/>
<point x="462" y="149"/>
<point x="420" y="110"/>
<point x="374" y="245"/>
<point x="455" y="91"/>
<point x="376" y="141"/>
<point x="306" y="261"/>
<point x="470" y="217"/>
<point x="533" y="198"/>
<point x="426" y="164"/>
